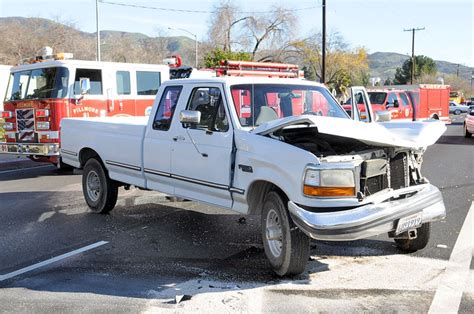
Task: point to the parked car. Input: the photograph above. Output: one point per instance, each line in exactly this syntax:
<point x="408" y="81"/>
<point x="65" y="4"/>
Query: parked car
<point x="456" y="108"/>
<point x="469" y="124"/>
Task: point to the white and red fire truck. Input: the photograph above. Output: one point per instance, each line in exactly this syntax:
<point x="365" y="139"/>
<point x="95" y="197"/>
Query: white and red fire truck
<point x="48" y="88"/>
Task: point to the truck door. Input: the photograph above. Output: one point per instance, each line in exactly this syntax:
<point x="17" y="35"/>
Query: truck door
<point x="360" y="104"/>
<point x="122" y="97"/>
<point x="406" y="107"/>
<point x="201" y="154"/>
<point x="393" y="105"/>
<point x="158" y="141"/>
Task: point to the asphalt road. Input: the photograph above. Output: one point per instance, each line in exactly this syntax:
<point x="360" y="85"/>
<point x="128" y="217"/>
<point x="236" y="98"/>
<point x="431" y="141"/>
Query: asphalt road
<point x="150" y="250"/>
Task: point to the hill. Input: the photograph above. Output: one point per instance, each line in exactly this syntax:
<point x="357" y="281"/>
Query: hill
<point x="384" y="64"/>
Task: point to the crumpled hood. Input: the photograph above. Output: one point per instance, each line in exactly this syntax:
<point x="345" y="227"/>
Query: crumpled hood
<point x="397" y="134"/>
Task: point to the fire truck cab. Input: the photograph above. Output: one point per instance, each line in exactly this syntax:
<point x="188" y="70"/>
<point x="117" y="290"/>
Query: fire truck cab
<point x="44" y="90"/>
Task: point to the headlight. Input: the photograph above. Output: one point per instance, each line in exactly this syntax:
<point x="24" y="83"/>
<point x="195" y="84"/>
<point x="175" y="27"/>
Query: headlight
<point x="329" y="183"/>
<point x="42" y="125"/>
<point x="8" y="126"/>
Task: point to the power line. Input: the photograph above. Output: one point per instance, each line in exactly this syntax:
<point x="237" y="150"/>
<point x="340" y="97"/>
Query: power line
<point x="195" y="11"/>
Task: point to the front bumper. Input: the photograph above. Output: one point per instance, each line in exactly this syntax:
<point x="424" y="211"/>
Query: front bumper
<point x="29" y="149"/>
<point x="372" y="219"/>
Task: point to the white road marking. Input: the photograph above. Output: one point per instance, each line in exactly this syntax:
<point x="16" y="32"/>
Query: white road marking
<point x="456" y="276"/>
<point x="23" y="169"/>
<point x="51" y="260"/>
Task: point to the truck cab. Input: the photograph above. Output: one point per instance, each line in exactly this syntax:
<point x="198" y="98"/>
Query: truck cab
<point x="395" y="101"/>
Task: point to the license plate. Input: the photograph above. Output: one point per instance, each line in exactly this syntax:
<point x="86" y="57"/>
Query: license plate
<point x="408" y="223"/>
<point x="4" y="148"/>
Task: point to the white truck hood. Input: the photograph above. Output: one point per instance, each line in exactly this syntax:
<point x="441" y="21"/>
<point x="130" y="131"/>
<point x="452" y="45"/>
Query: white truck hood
<point x="396" y="134"/>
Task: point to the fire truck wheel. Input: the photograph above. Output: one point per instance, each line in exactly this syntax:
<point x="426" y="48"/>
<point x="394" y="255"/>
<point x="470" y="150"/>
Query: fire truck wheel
<point x="466" y="132"/>
<point x="100" y="192"/>
<point x="418" y="243"/>
<point x="286" y="246"/>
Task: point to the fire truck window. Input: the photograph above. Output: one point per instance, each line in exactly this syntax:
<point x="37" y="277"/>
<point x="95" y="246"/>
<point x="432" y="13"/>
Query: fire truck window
<point x="148" y="82"/>
<point x="391" y="99"/>
<point x="123" y="83"/>
<point x="95" y="77"/>
<point x="166" y="108"/>
<point x="208" y="100"/>
<point x="40" y="84"/>
<point x="404" y="98"/>
<point x="20" y="82"/>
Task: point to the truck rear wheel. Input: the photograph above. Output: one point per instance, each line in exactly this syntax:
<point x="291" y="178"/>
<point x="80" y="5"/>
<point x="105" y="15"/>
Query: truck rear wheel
<point x="100" y="192"/>
<point x="418" y="243"/>
<point x="286" y="246"/>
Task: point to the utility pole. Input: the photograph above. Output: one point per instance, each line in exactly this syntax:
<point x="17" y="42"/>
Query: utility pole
<point x="323" y="60"/>
<point x="457" y="72"/>
<point x="413" y="30"/>
<point x="97" y="28"/>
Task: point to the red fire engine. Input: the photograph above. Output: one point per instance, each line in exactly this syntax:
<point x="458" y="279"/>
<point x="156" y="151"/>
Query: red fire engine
<point x="413" y="102"/>
<point x="48" y="88"/>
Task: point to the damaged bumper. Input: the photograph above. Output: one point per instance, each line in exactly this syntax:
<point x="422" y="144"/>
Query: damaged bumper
<point x="371" y="219"/>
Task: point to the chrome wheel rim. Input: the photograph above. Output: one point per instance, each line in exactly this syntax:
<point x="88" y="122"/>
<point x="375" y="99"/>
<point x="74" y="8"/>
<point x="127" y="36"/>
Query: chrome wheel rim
<point x="274" y="233"/>
<point x="93" y="186"/>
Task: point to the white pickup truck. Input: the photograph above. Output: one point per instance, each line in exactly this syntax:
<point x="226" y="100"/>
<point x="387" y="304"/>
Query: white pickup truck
<point x="281" y="148"/>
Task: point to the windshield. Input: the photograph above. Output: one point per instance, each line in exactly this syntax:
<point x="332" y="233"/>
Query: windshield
<point x="377" y="98"/>
<point x="38" y="84"/>
<point x="259" y="103"/>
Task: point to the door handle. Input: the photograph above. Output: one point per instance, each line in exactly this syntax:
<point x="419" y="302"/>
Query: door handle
<point x="178" y="137"/>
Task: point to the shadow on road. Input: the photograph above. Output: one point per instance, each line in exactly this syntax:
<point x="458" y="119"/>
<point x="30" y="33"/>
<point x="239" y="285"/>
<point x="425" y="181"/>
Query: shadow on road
<point x="152" y="247"/>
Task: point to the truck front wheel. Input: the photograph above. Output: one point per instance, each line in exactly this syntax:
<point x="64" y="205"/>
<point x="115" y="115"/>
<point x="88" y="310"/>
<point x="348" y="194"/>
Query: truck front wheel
<point x="286" y="246"/>
<point x="100" y="192"/>
<point x="418" y="243"/>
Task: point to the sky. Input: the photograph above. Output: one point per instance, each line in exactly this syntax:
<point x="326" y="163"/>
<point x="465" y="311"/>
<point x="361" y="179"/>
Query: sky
<point x="377" y="25"/>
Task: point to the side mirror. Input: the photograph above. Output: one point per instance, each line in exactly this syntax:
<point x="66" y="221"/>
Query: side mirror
<point x="383" y="116"/>
<point x="396" y="104"/>
<point x="190" y="117"/>
<point x="85" y="84"/>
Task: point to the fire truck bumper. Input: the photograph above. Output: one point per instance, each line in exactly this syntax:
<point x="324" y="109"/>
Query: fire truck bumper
<point x="28" y="149"/>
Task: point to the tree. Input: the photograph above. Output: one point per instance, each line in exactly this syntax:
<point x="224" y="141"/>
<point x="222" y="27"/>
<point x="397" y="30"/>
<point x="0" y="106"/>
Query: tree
<point x="268" y="33"/>
<point x="214" y="57"/>
<point x="423" y="66"/>
<point x="344" y="66"/>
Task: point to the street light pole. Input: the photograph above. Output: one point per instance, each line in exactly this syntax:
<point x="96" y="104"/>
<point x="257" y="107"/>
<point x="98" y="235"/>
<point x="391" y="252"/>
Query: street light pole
<point x="413" y="30"/>
<point x="195" y="41"/>
<point x="323" y="60"/>
<point x="97" y="28"/>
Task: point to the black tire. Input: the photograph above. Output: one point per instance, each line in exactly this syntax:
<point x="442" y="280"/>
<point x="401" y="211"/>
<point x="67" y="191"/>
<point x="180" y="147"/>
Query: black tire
<point x="100" y="192"/>
<point x="457" y="112"/>
<point x="467" y="134"/>
<point x="420" y="242"/>
<point x="293" y="243"/>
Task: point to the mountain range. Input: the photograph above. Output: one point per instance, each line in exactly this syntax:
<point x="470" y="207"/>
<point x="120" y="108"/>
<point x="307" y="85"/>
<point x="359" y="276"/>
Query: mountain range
<point x="22" y="36"/>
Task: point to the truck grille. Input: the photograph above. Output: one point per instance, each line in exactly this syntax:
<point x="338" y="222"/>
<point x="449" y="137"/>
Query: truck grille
<point x="375" y="174"/>
<point x="25" y="123"/>
<point x="398" y="172"/>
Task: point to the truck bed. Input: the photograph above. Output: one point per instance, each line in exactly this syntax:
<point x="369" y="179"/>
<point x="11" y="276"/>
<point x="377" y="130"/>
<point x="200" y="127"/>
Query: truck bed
<point x="117" y="140"/>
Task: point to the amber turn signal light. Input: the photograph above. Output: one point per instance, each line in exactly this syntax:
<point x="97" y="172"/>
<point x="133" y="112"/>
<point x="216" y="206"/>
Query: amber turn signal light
<point x="326" y="191"/>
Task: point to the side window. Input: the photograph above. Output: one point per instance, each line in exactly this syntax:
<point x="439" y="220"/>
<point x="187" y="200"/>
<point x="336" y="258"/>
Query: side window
<point x="166" y="108"/>
<point x="19" y="82"/>
<point x="95" y="76"/>
<point x="404" y="98"/>
<point x="148" y="83"/>
<point x="391" y="99"/>
<point x="208" y="100"/>
<point x="123" y="82"/>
